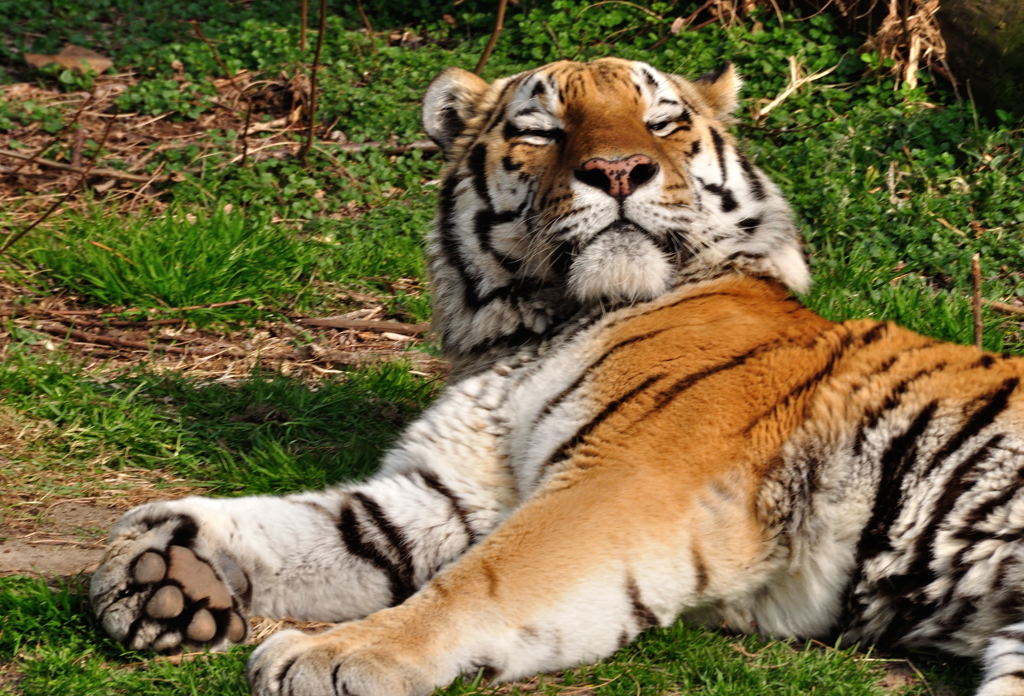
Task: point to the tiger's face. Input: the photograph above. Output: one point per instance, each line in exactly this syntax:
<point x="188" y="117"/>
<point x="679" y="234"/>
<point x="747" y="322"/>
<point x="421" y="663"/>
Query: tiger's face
<point x="578" y="184"/>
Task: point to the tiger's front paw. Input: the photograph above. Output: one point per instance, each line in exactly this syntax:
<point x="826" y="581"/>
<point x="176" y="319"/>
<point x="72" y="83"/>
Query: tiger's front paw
<point x="340" y="662"/>
<point x="157" y="590"/>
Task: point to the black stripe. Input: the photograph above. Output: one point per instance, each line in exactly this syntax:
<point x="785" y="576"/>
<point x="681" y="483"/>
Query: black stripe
<point x="483" y="223"/>
<point x="981" y="513"/>
<point x="450" y="246"/>
<point x="874" y="538"/>
<point x="827" y="369"/>
<point x="750" y="255"/>
<point x="497" y="116"/>
<point x="348" y="525"/>
<point x="874" y="333"/>
<point x="893" y="400"/>
<point x="642" y="614"/>
<point x="719" y="143"/>
<point x="904" y="588"/>
<point x="725" y="195"/>
<point x="340" y="688"/>
<point x="896" y="463"/>
<point x="684" y="126"/>
<point x="477" y="163"/>
<point x="995" y="403"/>
<point x="749" y="225"/>
<point x="451" y="124"/>
<point x="562" y="451"/>
<point x="651" y="82"/>
<point x="985" y="361"/>
<point x="509" y="165"/>
<point x="753" y="180"/>
<point x="561" y="396"/>
<point x="434" y="483"/>
<point x="283" y="673"/>
<point x="396" y="538"/>
<point x="681" y="385"/>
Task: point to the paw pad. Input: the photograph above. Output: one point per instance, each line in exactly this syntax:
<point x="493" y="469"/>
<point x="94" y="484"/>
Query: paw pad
<point x="171" y="596"/>
<point x="166" y="603"/>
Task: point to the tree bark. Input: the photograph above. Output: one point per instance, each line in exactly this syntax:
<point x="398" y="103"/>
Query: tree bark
<point x="985" y="43"/>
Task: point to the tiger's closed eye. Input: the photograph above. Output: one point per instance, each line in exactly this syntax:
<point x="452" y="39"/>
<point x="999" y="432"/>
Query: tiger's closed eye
<point x="533" y="136"/>
<point x="662" y="128"/>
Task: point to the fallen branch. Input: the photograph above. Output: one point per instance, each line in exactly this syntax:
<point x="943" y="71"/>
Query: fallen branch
<point x="366" y="325"/>
<point x="61" y="331"/>
<point x="1004" y="307"/>
<point x="93" y="171"/>
<point x="425" y="146"/>
<point x="418" y="360"/>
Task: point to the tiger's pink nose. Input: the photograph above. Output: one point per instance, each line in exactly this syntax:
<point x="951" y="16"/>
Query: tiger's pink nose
<point x="618" y="178"/>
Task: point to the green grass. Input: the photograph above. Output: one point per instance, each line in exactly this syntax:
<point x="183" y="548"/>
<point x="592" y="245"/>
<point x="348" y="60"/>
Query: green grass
<point x="896" y="189"/>
<point x="179" y="259"/>
<point x="191" y="256"/>
<point x="57" y="648"/>
<point x="267" y="434"/>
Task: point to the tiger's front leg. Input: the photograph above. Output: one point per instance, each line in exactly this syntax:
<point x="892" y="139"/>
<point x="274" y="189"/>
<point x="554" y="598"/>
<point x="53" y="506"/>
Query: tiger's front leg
<point x="190" y="571"/>
<point x="571" y="576"/>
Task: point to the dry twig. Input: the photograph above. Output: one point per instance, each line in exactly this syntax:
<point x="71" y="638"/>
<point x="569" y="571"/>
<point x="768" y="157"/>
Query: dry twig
<point x="366" y="24"/>
<point x="95" y="171"/>
<point x="366" y="325"/>
<point x="796" y="81"/>
<point x="60" y="330"/>
<point x="1003" y="307"/>
<point x="499" y="25"/>
<point x="424" y="146"/>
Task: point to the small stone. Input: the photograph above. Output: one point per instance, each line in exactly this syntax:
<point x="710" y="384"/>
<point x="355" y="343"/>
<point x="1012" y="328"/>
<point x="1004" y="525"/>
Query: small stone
<point x="149" y="568"/>
<point x="236" y="628"/>
<point x="166" y="603"/>
<point x="202" y="627"/>
<point x="198" y="578"/>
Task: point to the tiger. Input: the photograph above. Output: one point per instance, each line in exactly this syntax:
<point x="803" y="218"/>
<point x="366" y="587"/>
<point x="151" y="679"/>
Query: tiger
<point x="643" y="423"/>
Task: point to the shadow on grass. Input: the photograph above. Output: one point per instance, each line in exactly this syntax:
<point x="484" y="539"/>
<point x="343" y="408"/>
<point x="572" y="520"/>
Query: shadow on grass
<point x="274" y="434"/>
<point x="268" y="433"/>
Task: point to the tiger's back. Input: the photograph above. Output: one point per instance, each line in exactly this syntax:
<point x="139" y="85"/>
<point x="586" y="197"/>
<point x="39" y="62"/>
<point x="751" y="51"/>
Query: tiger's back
<point x="866" y="463"/>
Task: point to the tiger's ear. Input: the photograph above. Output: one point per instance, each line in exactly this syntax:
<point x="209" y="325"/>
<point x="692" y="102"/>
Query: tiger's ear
<point x="720" y="89"/>
<point x="451" y="100"/>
